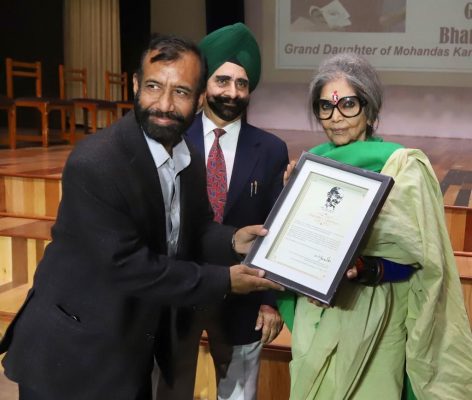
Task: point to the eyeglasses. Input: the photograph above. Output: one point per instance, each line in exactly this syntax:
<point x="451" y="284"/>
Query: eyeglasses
<point x="349" y="107"/>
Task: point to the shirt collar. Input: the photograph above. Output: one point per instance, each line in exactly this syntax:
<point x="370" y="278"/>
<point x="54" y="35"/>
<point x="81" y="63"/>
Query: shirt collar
<point x="180" y="153"/>
<point x="209" y="125"/>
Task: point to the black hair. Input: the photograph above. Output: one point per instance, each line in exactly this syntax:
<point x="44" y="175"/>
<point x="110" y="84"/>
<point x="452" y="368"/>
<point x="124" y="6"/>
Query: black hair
<point x="171" y="47"/>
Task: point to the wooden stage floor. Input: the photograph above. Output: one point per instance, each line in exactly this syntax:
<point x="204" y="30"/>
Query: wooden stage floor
<point x="451" y="160"/>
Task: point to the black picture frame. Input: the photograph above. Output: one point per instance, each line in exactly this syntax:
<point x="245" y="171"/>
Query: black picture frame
<point x="318" y="225"/>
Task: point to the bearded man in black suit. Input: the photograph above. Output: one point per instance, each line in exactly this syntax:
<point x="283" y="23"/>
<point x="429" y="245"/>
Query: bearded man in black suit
<point x="134" y="215"/>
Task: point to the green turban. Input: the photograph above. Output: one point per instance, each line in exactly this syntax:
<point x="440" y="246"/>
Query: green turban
<point x="233" y="43"/>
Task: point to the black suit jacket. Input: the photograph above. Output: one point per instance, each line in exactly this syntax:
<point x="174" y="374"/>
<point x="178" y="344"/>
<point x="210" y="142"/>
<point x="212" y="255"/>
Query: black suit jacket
<point x="88" y="327"/>
<point x="260" y="157"/>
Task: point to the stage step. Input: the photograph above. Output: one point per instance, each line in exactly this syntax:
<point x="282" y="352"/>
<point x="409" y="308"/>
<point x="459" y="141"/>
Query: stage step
<point x="30" y="181"/>
<point x="10" y="302"/>
<point x="29" y="196"/>
<point x="464" y="266"/>
<point x="22" y="243"/>
<point x="39" y="197"/>
<point x="459" y="225"/>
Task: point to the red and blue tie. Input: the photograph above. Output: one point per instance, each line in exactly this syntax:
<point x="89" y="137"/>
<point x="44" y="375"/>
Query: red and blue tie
<point x="216" y="177"/>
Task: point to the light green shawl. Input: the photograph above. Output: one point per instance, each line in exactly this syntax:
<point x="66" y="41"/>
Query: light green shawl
<point x="331" y="348"/>
<point x="371" y="154"/>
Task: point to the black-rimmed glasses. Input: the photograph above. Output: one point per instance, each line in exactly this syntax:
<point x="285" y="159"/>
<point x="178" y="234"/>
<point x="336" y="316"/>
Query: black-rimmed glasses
<point x="349" y="107"/>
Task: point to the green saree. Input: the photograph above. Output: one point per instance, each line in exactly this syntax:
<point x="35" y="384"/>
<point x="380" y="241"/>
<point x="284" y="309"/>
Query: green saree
<point x="358" y="348"/>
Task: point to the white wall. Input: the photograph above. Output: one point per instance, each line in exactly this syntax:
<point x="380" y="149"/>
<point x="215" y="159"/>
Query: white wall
<point x="409" y="111"/>
<point x="179" y="17"/>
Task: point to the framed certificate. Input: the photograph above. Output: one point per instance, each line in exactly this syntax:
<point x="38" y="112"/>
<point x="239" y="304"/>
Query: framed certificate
<point x="317" y="226"/>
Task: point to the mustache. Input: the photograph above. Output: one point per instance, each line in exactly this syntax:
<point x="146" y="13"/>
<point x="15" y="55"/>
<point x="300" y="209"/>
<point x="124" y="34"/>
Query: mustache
<point x="228" y="100"/>
<point x="166" y="114"/>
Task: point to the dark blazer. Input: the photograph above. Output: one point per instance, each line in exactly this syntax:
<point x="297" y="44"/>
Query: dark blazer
<point x="88" y="327"/>
<point x="260" y="157"/>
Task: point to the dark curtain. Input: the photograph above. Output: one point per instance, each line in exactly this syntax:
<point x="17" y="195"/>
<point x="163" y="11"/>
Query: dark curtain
<point x="31" y="31"/>
<point x="135" y="26"/>
<point x="220" y="13"/>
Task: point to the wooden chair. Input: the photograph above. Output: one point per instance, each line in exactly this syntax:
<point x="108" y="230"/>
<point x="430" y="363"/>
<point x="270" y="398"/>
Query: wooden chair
<point x="20" y="69"/>
<point x="119" y="80"/>
<point x="89" y="106"/>
<point x="9" y="105"/>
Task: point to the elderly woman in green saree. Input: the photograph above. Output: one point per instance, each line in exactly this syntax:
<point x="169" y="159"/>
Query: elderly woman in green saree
<point x="398" y="328"/>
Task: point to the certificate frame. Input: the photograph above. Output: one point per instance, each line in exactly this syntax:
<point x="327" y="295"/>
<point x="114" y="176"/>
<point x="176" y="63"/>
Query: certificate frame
<point x="318" y="225"/>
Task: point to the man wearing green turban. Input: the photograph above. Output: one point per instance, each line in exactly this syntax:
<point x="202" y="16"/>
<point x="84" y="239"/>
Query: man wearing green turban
<point x="251" y="164"/>
<point x="235" y="44"/>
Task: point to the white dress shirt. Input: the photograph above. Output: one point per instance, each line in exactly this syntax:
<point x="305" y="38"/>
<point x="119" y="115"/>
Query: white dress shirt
<point x="228" y="142"/>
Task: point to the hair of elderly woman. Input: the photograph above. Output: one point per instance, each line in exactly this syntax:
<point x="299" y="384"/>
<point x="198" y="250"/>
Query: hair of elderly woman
<point x="360" y="75"/>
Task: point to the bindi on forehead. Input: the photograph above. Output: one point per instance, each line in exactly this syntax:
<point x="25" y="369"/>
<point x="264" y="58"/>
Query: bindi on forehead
<point x="335" y="97"/>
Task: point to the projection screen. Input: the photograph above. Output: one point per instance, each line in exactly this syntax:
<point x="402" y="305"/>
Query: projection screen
<point x="410" y="42"/>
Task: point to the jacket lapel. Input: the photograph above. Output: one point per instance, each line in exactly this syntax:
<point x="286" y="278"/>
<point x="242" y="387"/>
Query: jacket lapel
<point x="246" y="157"/>
<point x="245" y="161"/>
<point x="195" y="135"/>
<point x="145" y="180"/>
